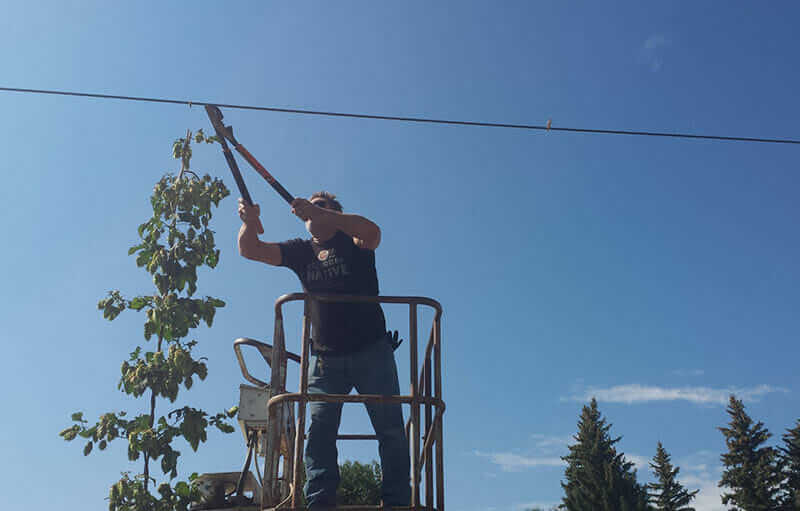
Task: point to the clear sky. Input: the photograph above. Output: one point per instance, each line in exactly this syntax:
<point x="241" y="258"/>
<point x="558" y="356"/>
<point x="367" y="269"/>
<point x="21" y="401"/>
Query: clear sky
<point x="659" y="275"/>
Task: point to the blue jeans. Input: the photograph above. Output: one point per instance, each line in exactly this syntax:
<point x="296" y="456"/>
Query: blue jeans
<point x="371" y="371"/>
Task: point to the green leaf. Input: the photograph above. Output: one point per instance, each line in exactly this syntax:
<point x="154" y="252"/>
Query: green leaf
<point x="143" y="258"/>
<point x="69" y="434"/>
<point x="225" y="428"/>
<point x="180" y="281"/>
<point x="138" y="303"/>
<point x="182" y="489"/>
<point x="135" y="248"/>
<point x="169" y="461"/>
<point x="77" y="416"/>
<point x="88" y="448"/>
<point x="165" y="491"/>
<point x="133" y="452"/>
<point x="177" y="148"/>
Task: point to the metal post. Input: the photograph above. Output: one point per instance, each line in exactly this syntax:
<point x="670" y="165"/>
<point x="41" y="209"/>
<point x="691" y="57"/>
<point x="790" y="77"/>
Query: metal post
<point x="437" y="361"/>
<point x="274" y="433"/>
<point x="429" y="452"/>
<point x="301" y="405"/>
<point x="414" y="440"/>
<point x="279" y="354"/>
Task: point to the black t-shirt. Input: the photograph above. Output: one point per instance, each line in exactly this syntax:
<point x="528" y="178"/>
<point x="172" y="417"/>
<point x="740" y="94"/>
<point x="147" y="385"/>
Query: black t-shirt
<point x="337" y="266"/>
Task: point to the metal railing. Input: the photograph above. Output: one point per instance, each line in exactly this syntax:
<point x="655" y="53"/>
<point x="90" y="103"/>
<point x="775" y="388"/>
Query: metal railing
<point x="424" y="427"/>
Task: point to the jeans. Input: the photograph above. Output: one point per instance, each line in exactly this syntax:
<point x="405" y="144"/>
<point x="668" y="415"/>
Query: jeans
<point x="371" y="371"/>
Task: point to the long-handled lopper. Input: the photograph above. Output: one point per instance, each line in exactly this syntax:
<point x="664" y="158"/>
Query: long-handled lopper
<point x="225" y="135"/>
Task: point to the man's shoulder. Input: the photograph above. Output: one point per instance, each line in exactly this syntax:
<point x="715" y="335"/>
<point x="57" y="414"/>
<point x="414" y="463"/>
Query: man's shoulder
<point x="295" y="242"/>
<point x="295" y="251"/>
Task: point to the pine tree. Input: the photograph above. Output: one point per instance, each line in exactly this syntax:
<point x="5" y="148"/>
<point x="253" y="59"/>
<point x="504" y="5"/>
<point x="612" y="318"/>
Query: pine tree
<point x="790" y="457"/>
<point x="598" y="477"/>
<point x="668" y="494"/>
<point x="752" y="471"/>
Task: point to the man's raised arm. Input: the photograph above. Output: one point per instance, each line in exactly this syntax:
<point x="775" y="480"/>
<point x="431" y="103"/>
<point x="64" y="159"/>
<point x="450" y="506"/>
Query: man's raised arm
<point x="249" y="245"/>
<point x="325" y="222"/>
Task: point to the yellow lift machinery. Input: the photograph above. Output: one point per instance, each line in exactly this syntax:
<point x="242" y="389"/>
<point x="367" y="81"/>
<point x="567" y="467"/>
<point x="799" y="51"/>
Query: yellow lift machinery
<point x="273" y="420"/>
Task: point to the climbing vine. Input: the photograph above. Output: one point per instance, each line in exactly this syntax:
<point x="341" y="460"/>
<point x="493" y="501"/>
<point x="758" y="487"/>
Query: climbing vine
<point x="173" y="243"/>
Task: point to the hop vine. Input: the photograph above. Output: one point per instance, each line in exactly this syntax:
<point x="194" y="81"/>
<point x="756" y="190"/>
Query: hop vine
<point x="173" y="244"/>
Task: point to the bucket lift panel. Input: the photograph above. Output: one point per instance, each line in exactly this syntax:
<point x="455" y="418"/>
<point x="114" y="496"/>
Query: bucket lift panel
<point x="270" y="417"/>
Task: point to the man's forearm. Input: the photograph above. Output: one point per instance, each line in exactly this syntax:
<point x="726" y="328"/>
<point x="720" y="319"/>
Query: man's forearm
<point x="248" y="240"/>
<point x="253" y="248"/>
<point x="356" y="226"/>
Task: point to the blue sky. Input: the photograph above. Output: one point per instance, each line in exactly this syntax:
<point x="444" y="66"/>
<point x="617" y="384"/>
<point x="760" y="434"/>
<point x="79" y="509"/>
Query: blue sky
<point x="658" y="275"/>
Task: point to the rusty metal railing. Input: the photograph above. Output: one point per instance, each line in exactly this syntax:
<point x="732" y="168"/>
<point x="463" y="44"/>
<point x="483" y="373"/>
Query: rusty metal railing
<point x="425" y="395"/>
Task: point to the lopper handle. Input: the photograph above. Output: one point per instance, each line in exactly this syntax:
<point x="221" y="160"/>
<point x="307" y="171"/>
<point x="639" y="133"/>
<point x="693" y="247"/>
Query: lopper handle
<point x="264" y="173"/>
<point x="237" y="176"/>
<point x="215" y="116"/>
<point x="226" y="133"/>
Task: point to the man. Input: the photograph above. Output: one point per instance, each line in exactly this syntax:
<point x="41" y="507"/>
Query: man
<point x="350" y="346"/>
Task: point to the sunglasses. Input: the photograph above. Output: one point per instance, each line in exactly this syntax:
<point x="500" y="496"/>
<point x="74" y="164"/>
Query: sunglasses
<point x="322" y="204"/>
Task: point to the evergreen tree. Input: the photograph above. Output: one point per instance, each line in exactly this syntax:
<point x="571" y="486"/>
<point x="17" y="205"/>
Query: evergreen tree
<point x="790" y="457"/>
<point x="752" y="471"/>
<point x="360" y="483"/>
<point x="598" y="477"/>
<point x="668" y="494"/>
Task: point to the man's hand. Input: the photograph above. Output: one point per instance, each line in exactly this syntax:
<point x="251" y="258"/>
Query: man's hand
<point x="250" y="215"/>
<point x="320" y="222"/>
<point x="249" y="244"/>
<point x="304" y="209"/>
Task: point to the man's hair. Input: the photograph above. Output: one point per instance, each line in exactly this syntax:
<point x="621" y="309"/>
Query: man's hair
<point x="328" y="196"/>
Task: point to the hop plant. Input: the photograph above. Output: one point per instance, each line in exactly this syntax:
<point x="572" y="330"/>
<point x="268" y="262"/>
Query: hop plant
<point x="173" y="243"/>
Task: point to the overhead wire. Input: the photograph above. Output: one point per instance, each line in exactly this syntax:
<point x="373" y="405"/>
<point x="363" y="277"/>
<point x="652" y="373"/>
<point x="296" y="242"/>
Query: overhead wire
<point x="426" y="120"/>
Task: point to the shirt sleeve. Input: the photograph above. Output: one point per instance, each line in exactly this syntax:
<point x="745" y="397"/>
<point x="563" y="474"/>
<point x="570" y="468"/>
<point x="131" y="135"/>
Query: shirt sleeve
<point x="294" y="254"/>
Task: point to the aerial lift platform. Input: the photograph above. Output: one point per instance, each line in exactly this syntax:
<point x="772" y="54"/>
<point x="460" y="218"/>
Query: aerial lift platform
<point x="273" y="421"/>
